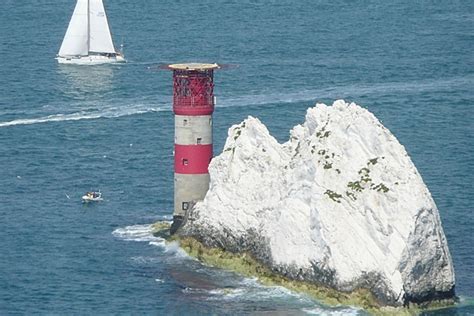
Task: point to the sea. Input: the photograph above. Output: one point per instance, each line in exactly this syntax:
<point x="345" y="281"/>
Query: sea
<point x="65" y="130"/>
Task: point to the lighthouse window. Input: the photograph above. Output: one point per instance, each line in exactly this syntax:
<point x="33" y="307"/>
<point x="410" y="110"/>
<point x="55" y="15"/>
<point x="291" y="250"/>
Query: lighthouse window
<point x="185" y="206"/>
<point x="198" y="141"/>
<point x="210" y="121"/>
<point x="185" y="162"/>
<point x="185" y="122"/>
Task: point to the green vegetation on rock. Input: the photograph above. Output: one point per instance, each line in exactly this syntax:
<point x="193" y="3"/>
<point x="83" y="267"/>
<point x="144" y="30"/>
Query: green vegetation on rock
<point x="351" y="195"/>
<point x="237" y="134"/>
<point x="372" y="161"/>
<point x="245" y="264"/>
<point x="355" y="186"/>
<point x="327" y="165"/>
<point x="380" y="187"/>
<point x="333" y="196"/>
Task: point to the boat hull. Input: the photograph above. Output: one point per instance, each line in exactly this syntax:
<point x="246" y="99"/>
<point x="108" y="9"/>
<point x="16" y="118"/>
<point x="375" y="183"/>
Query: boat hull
<point x="90" y="60"/>
<point x="92" y="197"/>
<point x="86" y="199"/>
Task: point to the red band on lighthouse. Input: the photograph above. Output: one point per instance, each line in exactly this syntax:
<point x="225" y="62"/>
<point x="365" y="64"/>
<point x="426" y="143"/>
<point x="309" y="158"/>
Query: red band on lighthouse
<point x="192" y="159"/>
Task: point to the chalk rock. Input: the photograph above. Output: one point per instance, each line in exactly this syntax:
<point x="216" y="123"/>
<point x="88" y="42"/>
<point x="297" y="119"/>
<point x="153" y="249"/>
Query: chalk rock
<point x="340" y="204"/>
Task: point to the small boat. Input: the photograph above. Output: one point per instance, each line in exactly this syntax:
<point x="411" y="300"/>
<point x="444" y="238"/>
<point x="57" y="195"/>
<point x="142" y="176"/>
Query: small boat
<point x="88" y="40"/>
<point x="92" y="196"/>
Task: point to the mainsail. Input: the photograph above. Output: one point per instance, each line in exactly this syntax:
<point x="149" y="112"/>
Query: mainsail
<point x="88" y="31"/>
<point x="99" y="34"/>
<point x="75" y="42"/>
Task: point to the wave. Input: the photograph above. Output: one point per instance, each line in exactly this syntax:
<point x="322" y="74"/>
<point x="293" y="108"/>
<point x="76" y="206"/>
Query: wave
<point x="325" y="311"/>
<point x="141" y="233"/>
<point x="144" y="233"/>
<point x="251" y="290"/>
<point x="247" y="289"/>
<point x="347" y="91"/>
<point x="108" y="112"/>
<point x="268" y="97"/>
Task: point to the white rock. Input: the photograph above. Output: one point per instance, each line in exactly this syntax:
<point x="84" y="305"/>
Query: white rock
<point x="340" y="203"/>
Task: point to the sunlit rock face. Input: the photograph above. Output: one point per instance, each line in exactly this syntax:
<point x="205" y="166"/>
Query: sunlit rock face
<point x="340" y="204"/>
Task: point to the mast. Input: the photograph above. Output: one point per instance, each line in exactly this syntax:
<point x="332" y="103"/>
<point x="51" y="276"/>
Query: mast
<point x="88" y="27"/>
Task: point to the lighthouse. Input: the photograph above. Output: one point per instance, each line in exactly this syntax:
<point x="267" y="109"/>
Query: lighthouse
<point x="193" y="105"/>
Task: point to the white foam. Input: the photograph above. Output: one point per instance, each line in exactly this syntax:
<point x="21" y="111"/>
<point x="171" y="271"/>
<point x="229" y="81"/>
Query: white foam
<point x="141" y="260"/>
<point x="173" y="248"/>
<point x="252" y="289"/>
<point x="144" y="233"/>
<point x="191" y="290"/>
<point x="466" y="301"/>
<point x="168" y="218"/>
<point x="228" y="293"/>
<point x="251" y="282"/>
<point x="322" y="311"/>
<point x="275" y="294"/>
<point x="271" y="292"/>
<point x="137" y="233"/>
<point x="160" y="243"/>
<point x="107" y="112"/>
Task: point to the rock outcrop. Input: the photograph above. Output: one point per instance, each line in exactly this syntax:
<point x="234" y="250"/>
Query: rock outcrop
<point x="340" y="205"/>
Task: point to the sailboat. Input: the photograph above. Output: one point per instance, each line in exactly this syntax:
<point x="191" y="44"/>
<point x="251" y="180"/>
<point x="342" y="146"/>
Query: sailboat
<point x="88" y="40"/>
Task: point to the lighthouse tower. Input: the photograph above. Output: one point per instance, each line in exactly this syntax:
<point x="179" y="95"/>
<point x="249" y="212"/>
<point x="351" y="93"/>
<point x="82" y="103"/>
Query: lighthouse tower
<point x="193" y="105"/>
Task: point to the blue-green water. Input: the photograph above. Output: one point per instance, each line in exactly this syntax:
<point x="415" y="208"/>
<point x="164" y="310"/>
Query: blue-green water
<point x="65" y="130"/>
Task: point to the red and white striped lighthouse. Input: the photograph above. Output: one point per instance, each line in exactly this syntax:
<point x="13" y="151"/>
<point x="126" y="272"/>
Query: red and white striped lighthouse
<point x="193" y="105"/>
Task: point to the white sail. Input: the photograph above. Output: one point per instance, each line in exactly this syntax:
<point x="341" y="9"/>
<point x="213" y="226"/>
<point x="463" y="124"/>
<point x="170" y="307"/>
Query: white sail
<point x="100" y="38"/>
<point x="75" y="41"/>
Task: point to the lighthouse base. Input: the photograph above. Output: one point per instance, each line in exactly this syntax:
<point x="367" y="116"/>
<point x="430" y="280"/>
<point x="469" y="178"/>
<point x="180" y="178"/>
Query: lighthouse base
<point x="177" y="222"/>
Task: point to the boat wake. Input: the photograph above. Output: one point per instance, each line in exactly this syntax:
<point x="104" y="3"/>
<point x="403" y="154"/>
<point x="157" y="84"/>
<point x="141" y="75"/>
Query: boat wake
<point x="108" y="112"/>
<point x="264" y="98"/>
